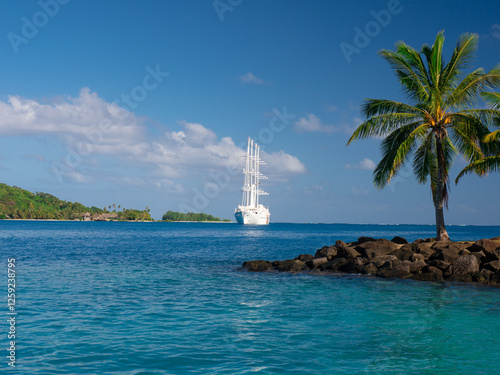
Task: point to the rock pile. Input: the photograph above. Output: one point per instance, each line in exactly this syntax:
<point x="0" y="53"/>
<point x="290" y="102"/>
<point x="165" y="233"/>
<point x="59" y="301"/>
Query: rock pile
<point x="426" y="260"/>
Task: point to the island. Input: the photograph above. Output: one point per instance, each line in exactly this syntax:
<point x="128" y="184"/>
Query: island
<point x="173" y="216"/>
<point x="17" y="203"/>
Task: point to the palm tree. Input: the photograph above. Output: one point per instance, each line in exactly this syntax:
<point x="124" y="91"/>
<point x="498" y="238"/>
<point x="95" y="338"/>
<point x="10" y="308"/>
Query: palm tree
<point x="486" y="164"/>
<point x="438" y="122"/>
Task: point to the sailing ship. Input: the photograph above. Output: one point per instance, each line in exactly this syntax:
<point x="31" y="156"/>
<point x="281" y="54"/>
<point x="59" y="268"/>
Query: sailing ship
<point x="251" y="211"/>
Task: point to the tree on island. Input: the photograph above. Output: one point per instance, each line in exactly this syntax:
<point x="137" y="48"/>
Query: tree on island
<point x="440" y="120"/>
<point x="190" y="216"/>
<point x="487" y="164"/>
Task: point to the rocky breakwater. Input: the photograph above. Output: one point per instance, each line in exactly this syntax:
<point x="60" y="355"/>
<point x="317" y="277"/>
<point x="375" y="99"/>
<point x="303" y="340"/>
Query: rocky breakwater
<point x="425" y="260"/>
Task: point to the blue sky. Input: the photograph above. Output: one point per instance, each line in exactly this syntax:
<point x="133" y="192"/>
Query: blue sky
<point x="150" y="103"/>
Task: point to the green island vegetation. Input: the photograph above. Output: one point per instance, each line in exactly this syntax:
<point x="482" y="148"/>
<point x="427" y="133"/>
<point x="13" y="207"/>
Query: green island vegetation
<point x="443" y="117"/>
<point x="17" y="203"/>
<point x="190" y="216"/>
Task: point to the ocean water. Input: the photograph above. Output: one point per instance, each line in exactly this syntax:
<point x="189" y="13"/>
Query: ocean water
<point x="170" y="298"/>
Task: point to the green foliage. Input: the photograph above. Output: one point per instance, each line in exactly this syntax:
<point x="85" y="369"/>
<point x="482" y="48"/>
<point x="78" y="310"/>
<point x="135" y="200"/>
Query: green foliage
<point x="134" y="215"/>
<point x="190" y="216"/>
<point x="18" y="203"/>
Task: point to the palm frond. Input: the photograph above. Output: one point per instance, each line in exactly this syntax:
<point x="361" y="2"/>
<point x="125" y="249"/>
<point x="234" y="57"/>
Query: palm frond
<point x="373" y="107"/>
<point x="409" y="69"/>
<point x="424" y="159"/>
<point x="395" y="149"/>
<point x="468" y="91"/>
<point x="493" y="136"/>
<point x="462" y="56"/>
<point x="493" y="98"/>
<point x="379" y="126"/>
<point x="481" y="167"/>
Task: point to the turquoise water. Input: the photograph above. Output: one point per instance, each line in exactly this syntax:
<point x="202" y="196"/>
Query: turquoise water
<point x="160" y="298"/>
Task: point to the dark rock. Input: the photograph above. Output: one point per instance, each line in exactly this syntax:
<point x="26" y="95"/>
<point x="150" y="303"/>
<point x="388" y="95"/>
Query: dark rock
<point x="428" y="277"/>
<point x="492" y="266"/>
<point x="348" y="253"/>
<point x="464" y="265"/>
<point x="365" y="239"/>
<point x="481" y="257"/>
<point x="394" y="274"/>
<point x="372" y="249"/>
<point x="381" y="259"/>
<point x="447" y="254"/>
<point x="426" y="240"/>
<point x="355" y="265"/>
<point x="455" y="246"/>
<point x="423" y="248"/>
<point x="316" y="262"/>
<point x="360" y="261"/>
<point x="257" y="265"/>
<point x="441" y="264"/>
<point x="399" y="240"/>
<point x="495" y="277"/>
<point x="485" y="245"/>
<point x="334" y="264"/>
<point x="340" y="243"/>
<point x="404" y="253"/>
<point x="290" y="265"/>
<point x="494" y="255"/>
<point x="326" y="251"/>
<point x="416" y="257"/>
<point x="464" y="252"/>
<point x="483" y="276"/>
<point x="369" y="269"/>
<point x="432" y="269"/>
<point x="304" y="257"/>
<point x="417" y="266"/>
<point x="402" y="265"/>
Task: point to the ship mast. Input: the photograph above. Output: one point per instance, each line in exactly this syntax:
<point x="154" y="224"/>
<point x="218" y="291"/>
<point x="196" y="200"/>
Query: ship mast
<point x="251" y="188"/>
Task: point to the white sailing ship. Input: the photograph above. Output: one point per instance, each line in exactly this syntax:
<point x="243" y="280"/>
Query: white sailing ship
<point x="251" y="211"/>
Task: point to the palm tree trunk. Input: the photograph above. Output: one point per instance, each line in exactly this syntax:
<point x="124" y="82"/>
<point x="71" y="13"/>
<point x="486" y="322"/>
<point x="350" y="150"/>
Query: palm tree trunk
<point x="441" y="233"/>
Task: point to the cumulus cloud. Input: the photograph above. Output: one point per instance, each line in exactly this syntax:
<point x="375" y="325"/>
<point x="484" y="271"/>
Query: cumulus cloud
<point x="251" y="78"/>
<point x="313" y="124"/>
<point x="90" y="127"/>
<point x="365" y="164"/>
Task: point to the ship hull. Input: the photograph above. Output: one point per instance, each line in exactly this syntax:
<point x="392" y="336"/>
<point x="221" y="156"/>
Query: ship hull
<point x="252" y="216"/>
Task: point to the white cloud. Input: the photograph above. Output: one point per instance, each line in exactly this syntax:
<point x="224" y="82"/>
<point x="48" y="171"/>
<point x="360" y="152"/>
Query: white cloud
<point x="495" y="31"/>
<point x="313" y="124"/>
<point x="90" y="128"/>
<point x="251" y="78"/>
<point x="365" y="164"/>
